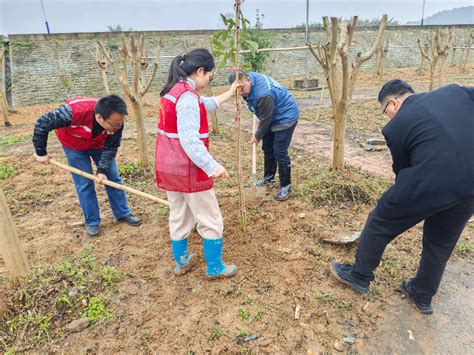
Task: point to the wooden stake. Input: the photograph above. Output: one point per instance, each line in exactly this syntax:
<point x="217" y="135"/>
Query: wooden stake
<point x="10" y="245"/>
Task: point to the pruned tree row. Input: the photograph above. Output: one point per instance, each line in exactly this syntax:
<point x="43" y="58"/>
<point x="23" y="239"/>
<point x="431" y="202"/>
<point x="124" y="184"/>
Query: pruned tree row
<point x="435" y="52"/>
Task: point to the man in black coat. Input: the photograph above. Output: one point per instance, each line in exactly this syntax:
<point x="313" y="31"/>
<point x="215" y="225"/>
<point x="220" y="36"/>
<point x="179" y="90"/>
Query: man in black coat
<point x="431" y="139"/>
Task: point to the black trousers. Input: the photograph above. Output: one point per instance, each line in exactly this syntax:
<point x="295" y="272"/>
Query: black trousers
<point x="441" y="231"/>
<point x="277" y="143"/>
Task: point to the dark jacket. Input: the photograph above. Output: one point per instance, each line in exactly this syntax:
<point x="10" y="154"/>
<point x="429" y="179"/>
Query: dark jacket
<point x="431" y="139"/>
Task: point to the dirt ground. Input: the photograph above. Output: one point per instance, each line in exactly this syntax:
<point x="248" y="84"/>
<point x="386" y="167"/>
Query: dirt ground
<point x="282" y="261"/>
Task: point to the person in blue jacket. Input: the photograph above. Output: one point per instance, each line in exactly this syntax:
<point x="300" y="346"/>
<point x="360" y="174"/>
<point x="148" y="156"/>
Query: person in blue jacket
<point x="278" y="115"/>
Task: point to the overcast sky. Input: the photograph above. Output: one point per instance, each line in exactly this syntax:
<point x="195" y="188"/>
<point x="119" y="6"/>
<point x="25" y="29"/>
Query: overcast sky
<point x="26" y="16"/>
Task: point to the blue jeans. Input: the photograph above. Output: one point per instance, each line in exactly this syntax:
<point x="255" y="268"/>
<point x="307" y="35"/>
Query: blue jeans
<point x="81" y="159"/>
<point x="277" y="143"/>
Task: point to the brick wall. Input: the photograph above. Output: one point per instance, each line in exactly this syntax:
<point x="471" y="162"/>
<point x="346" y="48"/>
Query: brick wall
<point x="55" y="67"/>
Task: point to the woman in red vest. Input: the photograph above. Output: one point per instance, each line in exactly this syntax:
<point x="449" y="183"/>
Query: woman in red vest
<point x="184" y="166"/>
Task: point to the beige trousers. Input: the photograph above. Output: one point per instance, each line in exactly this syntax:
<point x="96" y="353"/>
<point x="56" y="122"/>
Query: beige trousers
<point x="190" y="210"/>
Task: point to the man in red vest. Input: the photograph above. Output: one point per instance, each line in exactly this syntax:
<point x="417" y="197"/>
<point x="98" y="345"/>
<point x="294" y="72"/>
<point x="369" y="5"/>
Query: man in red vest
<point x="89" y="129"/>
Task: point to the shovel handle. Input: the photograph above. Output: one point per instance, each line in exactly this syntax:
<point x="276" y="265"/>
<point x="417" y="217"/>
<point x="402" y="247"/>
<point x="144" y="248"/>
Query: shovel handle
<point x="254" y="146"/>
<point x="108" y="183"/>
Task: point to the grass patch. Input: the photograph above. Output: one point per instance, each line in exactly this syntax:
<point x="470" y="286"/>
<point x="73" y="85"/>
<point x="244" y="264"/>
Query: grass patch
<point x="6" y="170"/>
<point x="392" y="267"/>
<point x="329" y="298"/>
<point x="216" y="332"/>
<point x="324" y="186"/>
<point x="244" y="313"/>
<point x="465" y="248"/>
<point x="40" y="306"/>
<point x="248" y="299"/>
<point x="12" y="140"/>
<point x="130" y="170"/>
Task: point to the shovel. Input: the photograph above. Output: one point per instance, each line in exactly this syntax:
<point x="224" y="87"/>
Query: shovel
<point x="254" y="193"/>
<point x="342" y="237"/>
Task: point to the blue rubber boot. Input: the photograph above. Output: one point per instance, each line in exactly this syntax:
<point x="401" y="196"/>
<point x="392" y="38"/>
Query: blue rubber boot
<point x="213" y="256"/>
<point x="182" y="260"/>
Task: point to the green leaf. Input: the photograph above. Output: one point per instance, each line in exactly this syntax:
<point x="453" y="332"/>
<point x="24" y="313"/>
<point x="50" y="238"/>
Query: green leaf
<point x="245" y="23"/>
<point x="253" y="46"/>
<point x="224" y="36"/>
<point x="224" y="19"/>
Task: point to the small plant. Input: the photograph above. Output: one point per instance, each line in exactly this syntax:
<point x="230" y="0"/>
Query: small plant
<point x="162" y="210"/>
<point x="329" y="298"/>
<point x="248" y="300"/>
<point x="129" y="168"/>
<point x="6" y="170"/>
<point x="97" y="311"/>
<point x="465" y="248"/>
<point x="258" y="314"/>
<point x="110" y="274"/>
<point x="242" y="333"/>
<point x="256" y="61"/>
<point x="243" y="313"/>
<point x="392" y="266"/>
<point x="322" y="296"/>
<point x="374" y="291"/>
<point x="216" y="332"/>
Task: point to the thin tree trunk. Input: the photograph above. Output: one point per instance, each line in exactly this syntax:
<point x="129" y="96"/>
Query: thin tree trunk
<point x="464" y="59"/>
<point x="243" y="212"/>
<point x="106" y="82"/>
<point x="380" y="69"/>
<point x="339" y="138"/>
<point x="453" y="58"/>
<point x="137" y="107"/>
<point x="441" y="80"/>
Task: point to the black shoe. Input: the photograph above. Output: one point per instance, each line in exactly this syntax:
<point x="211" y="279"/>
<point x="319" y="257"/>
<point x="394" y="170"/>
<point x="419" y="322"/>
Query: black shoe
<point x="268" y="179"/>
<point x="284" y="170"/>
<point x="269" y="170"/>
<point x="283" y="193"/>
<point x="131" y="220"/>
<point x="92" y="231"/>
<point x="342" y="272"/>
<point x="408" y="290"/>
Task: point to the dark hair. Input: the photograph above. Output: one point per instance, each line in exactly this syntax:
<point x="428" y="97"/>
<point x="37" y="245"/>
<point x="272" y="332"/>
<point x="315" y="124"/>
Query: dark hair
<point x="183" y="66"/>
<point x="395" y="87"/>
<point x="231" y="77"/>
<point x="110" y="104"/>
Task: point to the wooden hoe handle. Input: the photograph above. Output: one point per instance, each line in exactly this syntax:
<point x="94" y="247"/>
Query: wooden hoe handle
<point x="108" y="183"/>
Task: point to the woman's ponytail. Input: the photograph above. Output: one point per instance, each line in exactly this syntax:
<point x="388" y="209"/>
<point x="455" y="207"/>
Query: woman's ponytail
<point x="183" y="66"/>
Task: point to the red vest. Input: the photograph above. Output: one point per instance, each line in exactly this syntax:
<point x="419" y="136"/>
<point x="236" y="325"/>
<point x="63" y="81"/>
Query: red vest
<point x="174" y="170"/>
<point x="78" y="136"/>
